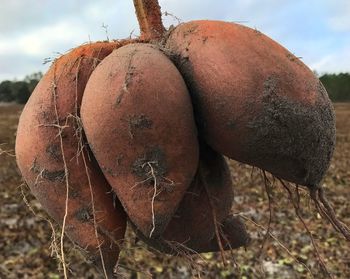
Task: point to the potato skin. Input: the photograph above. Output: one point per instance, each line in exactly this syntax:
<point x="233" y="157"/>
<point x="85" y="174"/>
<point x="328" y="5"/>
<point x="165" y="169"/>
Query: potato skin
<point x="39" y="156"/>
<point x="138" y="119"/>
<point x="192" y="229"/>
<point x="254" y="101"/>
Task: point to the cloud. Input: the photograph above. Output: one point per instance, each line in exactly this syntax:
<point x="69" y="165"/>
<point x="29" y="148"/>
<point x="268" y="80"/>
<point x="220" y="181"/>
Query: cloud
<point x="25" y="53"/>
<point x="19" y="16"/>
<point x="13" y="65"/>
<point x="26" y="38"/>
<point x="340" y="18"/>
<point x="32" y="30"/>
<point x="39" y="41"/>
<point x="335" y="62"/>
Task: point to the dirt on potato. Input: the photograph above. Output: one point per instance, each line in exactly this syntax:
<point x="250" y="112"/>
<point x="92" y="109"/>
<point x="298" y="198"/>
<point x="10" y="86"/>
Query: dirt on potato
<point x="26" y="239"/>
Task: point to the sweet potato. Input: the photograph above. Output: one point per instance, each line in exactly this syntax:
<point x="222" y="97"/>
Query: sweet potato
<point x="138" y="119"/>
<point x="52" y="156"/>
<point x="192" y="228"/>
<point x="233" y="234"/>
<point x="254" y="101"/>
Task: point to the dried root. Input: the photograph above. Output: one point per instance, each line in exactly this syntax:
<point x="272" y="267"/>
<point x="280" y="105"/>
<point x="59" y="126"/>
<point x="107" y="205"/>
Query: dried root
<point x="216" y="223"/>
<point x="54" y="93"/>
<point x="268" y="190"/>
<point x="283" y="246"/>
<point x="326" y="210"/>
<point x="54" y="247"/>
<point x="6" y="152"/>
<point x="296" y="206"/>
<point x="159" y="184"/>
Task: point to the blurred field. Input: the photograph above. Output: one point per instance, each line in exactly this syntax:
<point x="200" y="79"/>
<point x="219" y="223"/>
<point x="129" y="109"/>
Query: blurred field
<point x="25" y="237"/>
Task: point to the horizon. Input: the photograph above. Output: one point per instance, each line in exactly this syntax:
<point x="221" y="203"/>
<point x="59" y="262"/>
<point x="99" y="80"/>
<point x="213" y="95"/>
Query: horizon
<point x="30" y="32"/>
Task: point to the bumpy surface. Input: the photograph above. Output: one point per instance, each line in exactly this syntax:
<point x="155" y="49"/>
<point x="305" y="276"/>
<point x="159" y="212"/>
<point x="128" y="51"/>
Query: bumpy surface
<point x="52" y="115"/>
<point x="254" y="100"/>
<point x="138" y="119"/>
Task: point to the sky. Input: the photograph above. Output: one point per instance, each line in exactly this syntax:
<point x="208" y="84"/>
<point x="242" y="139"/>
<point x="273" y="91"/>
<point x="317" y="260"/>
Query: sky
<point x="34" y="30"/>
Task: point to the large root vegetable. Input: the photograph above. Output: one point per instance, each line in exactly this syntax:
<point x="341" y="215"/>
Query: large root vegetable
<point x="138" y="119"/>
<point x="255" y="102"/>
<point x="252" y="100"/>
<point x="57" y="165"/>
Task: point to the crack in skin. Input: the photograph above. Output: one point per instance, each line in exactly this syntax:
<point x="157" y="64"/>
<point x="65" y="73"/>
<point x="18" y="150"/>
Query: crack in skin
<point x="127" y="79"/>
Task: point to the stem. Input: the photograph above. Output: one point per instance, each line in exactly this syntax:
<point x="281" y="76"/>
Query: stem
<point x="149" y="18"/>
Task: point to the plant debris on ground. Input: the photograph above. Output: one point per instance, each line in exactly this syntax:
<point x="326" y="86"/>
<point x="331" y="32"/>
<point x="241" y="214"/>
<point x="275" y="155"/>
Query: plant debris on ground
<point x="27" y="242"/>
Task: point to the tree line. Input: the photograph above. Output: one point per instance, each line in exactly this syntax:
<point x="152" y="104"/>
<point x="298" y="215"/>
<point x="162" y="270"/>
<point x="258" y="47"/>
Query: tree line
<point x="19" y="91"/>
<point x="337" y="86"/>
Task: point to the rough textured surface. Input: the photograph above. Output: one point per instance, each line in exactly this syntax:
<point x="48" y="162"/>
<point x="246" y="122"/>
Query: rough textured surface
<point x="192" y="228"/>
<point x="150" y="19"/>
<point x="254" y="101"/>
<point x="306" y="148"/>
<point x="138" y="119"/>
<point x="55" y="103"/>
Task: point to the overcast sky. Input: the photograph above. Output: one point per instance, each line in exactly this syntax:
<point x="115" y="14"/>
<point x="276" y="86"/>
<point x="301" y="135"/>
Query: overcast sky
<point x="32" y="30"/>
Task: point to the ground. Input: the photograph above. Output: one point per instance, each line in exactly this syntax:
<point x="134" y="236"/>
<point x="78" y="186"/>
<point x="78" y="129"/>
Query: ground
<point x="26" y="235"/>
